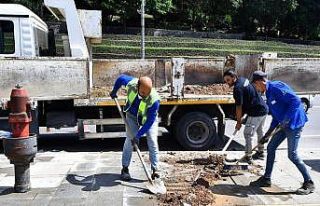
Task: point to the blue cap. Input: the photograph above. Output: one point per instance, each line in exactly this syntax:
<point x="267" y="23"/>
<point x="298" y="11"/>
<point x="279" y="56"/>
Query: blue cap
<point x="258" y="75"/>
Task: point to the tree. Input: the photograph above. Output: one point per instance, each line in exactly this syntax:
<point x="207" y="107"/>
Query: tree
<point x="264" y="16"/>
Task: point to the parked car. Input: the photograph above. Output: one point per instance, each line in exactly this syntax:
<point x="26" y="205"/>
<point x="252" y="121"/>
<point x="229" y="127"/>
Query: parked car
<point x="307" y="101"/>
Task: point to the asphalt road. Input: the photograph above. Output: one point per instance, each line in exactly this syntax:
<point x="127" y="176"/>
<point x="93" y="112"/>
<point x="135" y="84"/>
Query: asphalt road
<point x="310" y="134"/>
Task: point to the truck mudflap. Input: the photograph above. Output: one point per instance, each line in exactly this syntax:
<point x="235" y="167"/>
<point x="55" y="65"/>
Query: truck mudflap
<point x="45" y="78"/>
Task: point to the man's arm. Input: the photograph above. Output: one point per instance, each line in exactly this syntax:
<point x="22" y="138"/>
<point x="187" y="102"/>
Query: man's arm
<point x="122" y="80"/>
<point x="152" y="115"/>
<point x="238" y="97"/>
<point x="238" y="116"/>
<point x="274" y="124"/>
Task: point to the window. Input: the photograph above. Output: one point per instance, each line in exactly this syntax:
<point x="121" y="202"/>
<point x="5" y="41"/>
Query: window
<point x="6" y="37"/>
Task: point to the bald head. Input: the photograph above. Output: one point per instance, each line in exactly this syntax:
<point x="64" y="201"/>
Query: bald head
<point x="145" y="86"/>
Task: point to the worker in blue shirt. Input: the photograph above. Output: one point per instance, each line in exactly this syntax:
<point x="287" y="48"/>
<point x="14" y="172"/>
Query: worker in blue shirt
<point x="141" y="109"/>
<point x="287" y="112"/>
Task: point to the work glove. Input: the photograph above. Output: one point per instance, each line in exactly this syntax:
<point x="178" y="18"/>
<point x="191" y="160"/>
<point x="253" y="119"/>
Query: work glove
<point x="113" y="94"/>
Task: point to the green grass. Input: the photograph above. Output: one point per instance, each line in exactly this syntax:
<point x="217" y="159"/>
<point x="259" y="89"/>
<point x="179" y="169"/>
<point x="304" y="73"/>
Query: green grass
<point x="128" y="46"/>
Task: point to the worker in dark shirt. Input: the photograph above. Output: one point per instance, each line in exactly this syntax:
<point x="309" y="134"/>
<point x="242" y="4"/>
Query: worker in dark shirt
<point x="287" y="111"/>
<point x="248" y="101"/>
<point x="141" y="109"/>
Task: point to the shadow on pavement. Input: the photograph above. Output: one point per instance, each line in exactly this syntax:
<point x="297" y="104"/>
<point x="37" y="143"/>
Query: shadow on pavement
<point x="234" y="146"/>
<point x="314" y="164"/>
<point x="245" y="191"/>
<point x="96" y="181"/>
<point x="6" y="191"/>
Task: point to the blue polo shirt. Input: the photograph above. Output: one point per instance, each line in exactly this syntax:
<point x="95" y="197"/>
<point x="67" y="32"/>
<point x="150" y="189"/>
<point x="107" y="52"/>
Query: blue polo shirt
<point x="152" y="112"/>
<point x="245" y="94"/>
<point x="284" y="105"/>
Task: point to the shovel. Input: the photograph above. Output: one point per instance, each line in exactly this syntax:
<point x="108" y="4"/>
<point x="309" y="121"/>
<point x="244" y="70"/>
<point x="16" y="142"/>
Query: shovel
<point x="238" y="165"/>
<point x="230" y="140"/>
<point x="235" y="133"/>
<point x="156" y="186"/>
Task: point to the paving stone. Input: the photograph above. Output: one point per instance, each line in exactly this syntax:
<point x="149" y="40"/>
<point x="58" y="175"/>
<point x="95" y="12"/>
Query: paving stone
<point x="73" y="190"/>
<point x="58" y="201"/>
<point x="140" y="201"/>
<point x="42" y="200"/>
<point x="7" y="181"/>
<point x="11" y="202"/>
<point x="105" y="198"/>
<point x="84" y="166"/>
<point x="7" y="171"/>
<point x="49" y="168"/>
<point x="45" y="181"/>
<point x="309" y="199"/>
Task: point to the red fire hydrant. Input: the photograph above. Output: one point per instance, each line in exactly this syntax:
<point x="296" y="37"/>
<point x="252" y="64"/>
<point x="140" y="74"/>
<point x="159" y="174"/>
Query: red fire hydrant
<point x="20" y="112"/>
<point x="22" y="147"/>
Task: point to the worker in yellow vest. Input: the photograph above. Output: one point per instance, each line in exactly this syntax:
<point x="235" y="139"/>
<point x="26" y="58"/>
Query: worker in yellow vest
<point x="141" y="109"/>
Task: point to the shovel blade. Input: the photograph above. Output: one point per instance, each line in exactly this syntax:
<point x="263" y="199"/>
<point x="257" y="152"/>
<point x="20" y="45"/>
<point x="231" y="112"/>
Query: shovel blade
<point x="235" y="166"/>
<point x="156" y="187"/>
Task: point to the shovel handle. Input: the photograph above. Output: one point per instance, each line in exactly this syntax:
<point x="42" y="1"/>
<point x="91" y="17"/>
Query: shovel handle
<point x="230" y="140"/>
<point x="131" y="136"/>
<point x="275" y="131"/>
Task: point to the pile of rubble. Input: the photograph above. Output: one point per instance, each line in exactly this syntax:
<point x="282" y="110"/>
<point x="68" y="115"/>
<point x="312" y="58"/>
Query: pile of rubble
<point x="212" y="89"/>
<point x="98" y="92"/>
<point x="190" y="179"/>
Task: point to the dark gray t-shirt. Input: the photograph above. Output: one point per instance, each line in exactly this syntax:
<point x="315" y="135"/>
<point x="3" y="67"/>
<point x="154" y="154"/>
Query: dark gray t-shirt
<point x="245" y="94"/>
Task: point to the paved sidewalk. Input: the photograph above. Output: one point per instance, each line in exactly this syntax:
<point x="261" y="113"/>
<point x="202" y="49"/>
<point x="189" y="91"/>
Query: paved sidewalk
<point x="92" y="178"/>
<point x="285" y="179"/>
<point x="77" y="178"/>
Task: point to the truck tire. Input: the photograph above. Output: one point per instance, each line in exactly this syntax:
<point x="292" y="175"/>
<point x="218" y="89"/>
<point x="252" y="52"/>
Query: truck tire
<point x="196" y="131"/>
<point x="305" y="104"/>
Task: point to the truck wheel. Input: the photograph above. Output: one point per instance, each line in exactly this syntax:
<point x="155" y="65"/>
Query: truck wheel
<point x="196" y="131"/>
<point x="305" y="104"/>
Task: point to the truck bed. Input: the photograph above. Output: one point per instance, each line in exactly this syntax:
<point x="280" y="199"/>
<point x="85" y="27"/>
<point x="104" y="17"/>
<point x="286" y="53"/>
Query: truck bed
<point x="193" y="94"/>
<point x="45" y="78"/>
<point x="166" y="99"/>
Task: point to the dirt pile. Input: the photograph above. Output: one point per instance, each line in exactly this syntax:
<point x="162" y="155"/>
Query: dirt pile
<point x="213" y="89"/>
<point x="190" y="181"/>
<point x="97" y="92"/>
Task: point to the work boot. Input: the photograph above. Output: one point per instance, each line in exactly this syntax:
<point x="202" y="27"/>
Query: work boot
<point x="261" y="182"/>
<point x="155" y="174"/>
<point x="307" y="188"/>
<point x="258" y="155"/>
<point x="125" y="175"/>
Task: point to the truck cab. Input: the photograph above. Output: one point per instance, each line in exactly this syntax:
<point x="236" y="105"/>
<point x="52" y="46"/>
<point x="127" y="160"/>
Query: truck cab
<point x="22" y="33"/>
<point x="27" y="57"/>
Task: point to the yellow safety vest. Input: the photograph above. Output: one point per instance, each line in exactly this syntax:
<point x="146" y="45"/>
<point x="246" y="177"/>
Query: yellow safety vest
<point x="145" y="103"/>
